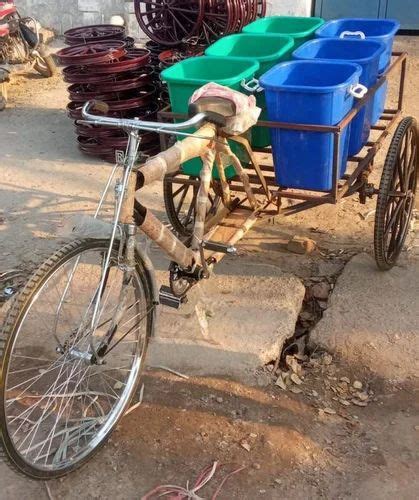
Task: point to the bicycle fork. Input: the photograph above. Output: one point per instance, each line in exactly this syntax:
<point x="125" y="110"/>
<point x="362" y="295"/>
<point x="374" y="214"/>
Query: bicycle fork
<point x="123" y="220"/>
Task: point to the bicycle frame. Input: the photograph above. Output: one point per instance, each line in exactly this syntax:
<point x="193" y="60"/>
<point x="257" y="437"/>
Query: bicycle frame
<point x="208" y="144"/>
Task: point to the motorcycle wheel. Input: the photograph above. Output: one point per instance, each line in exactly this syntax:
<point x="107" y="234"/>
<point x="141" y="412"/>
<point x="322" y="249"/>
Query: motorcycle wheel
<point x="45" y="64"/>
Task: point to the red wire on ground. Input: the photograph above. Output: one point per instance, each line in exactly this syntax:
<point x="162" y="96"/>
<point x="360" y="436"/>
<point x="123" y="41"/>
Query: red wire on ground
<point x="173" y="492"/>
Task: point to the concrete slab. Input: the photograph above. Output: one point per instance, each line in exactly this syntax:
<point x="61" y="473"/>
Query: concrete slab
<point x="373" y="320"/>
<point x="232" y="323"/>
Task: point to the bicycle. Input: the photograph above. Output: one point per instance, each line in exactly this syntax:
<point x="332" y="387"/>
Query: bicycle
<point x="74" y="342"/>
<point x="56" y="414"/>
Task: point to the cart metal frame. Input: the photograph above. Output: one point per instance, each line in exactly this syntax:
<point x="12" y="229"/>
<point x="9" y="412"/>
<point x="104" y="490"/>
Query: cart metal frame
<point x="395" y="194"/>
<point x="262" y="176"/>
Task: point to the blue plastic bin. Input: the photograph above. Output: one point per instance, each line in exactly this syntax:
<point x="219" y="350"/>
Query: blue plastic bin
<point x="309" y="92"/>
<point x="380" y="30"/>
<point x="367" y="54"/>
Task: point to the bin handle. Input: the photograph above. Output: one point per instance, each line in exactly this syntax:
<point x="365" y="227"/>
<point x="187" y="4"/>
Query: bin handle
<point x="358" y="91"/>
<point x="252" y="86"/>
<point x="359" y="34"/>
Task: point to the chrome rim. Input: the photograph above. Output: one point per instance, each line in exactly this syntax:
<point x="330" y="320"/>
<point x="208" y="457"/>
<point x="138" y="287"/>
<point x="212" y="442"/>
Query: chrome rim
<point x="58" y="406"/>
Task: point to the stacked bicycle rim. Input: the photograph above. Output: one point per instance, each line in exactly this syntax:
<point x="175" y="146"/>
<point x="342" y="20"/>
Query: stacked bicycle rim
<point x="178" y="21"/>
<point x="103" y="63"/>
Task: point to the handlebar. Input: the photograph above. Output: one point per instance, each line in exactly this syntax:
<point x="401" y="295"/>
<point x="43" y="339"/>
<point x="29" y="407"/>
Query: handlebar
<point x="134" y="124"/>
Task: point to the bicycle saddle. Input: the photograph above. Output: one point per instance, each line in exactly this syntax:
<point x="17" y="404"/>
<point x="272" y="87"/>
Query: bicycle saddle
<point x="217" y="109"/>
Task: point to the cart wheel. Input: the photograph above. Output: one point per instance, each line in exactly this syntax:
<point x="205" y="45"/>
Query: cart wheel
<point x="396" y="197"/>
<point x="180" y="201"/>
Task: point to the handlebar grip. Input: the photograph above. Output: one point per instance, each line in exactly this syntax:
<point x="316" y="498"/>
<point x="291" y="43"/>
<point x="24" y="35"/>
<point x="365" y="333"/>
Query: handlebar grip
<point x="100" y="107"/>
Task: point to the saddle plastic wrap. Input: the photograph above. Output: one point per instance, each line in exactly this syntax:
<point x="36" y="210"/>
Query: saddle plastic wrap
<point x="247" y="112"/>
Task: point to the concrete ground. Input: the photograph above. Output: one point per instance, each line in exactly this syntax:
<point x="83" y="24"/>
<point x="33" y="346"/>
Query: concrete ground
<point x="375" y="326"/>
<point x="291" y="446"/>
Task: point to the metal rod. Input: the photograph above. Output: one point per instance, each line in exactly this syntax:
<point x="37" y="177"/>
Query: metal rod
<point x="336" y="158"/>
<point x="301" y="195"/>
<point x="136" y="125"/>
<point x="400" y="59"/>
<point x="402" y="83"/>
<point x="132" y="150"/>
<point x="301" y="207"/>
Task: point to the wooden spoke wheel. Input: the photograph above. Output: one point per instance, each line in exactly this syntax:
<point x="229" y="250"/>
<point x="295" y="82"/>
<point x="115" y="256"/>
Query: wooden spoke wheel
<point x="217" y="19"/>
<point x="127" y="81"/>
<point x="396" y="197"/>
<point x="132" y="60"/>
<point x="92" y="53"/>
<point x="180" y="194"/>
<point x="169" y="22"/>
<point x="261" y="8"/>
<point x="94" y="33"/>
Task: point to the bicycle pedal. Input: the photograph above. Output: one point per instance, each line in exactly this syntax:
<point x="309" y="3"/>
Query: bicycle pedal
<point x="166" y="298"/>
<point x="215" y="246"/>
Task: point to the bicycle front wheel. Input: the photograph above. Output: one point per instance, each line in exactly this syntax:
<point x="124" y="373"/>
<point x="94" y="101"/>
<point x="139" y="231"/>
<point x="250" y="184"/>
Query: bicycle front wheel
<point x="57" y="408"/>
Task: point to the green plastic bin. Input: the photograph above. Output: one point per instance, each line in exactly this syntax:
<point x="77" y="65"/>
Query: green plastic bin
<point x="268" y="49"/>
<point x="300" y="28"/>
<point x="187" y="76"/>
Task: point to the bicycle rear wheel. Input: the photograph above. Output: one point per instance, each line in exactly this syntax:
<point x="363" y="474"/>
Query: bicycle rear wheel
<point x="56" y="407"/>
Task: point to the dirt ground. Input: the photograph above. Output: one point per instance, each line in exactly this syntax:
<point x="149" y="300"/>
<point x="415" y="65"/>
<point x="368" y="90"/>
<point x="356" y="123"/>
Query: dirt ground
<point x="292" y="445"/>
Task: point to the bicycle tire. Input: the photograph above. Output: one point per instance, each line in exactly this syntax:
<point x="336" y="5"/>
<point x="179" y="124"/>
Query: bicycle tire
<point x="183" y="226"/>
<point x="8" y="336"/>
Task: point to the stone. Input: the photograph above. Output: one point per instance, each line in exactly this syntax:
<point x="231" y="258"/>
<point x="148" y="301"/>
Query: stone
<point x="250" y="326"/>
<point x="356" y="402"/>
<point x="327" y="359"/>
<point x="244" y="444"/>
<point x="357" y="384"/>
<point x="301" y="245"/>
<point x="372" y="319"/>
<point x="362" y="396"/>
<point x="307" y="316"/>
<point x="280" y="383"/>
<point x="295" y="379"/>
<point x="323" y="304"/>
<point x="295" y="390"/>
<point x="293" y="364"/>
<point x="320" y="291"/>
<point x="329" y="411"/>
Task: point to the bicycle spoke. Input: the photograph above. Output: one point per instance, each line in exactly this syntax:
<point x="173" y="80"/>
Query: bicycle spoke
<point x="57" y="399"/>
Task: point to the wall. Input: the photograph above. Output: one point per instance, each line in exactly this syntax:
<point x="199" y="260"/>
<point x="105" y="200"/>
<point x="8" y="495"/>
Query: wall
<point x="61" y="15"/>
<point x="290" y="7"/>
